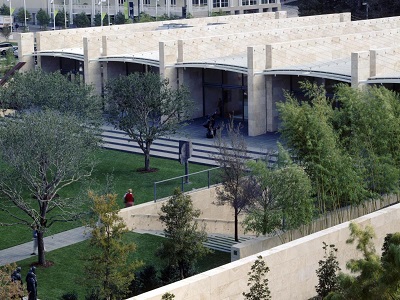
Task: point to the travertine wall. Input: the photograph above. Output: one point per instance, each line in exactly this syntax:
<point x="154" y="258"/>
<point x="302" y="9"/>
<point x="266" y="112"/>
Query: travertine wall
<point x="292" y="265"/>
<point x="218" y="219"/>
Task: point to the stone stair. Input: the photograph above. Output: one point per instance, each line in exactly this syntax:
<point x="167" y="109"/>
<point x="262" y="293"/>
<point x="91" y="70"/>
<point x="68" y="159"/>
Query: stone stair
<point x="203" y="150"/>
<point x="219" y="242"/>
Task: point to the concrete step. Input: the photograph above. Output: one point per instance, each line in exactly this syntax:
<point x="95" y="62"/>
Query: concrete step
<point x="203" y="152"/>
<point x="217" y="242"/>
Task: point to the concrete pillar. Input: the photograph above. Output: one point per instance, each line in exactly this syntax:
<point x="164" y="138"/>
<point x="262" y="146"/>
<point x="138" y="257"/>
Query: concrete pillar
<point x="92" y="69"/>
<point x="257" y="98"/>
<point x="25" y="48"/>
<point x="281" y="14"/>
<point x="360" y="68"/>
<point x="345" y="17"/>
<point x="168" y="56"/>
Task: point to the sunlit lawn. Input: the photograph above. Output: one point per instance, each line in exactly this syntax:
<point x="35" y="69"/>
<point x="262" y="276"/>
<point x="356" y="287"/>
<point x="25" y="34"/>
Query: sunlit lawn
<point x="123" y="169"/>
<point x="67" y="273"/>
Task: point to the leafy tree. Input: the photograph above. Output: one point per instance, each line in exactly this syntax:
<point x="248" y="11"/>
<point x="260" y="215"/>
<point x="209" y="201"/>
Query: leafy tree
<point x="376" y="8"/>
<point x="236" y="190"/>
<point x="108" y="269"/>
<point x="168" y="296"/>
<point x="375" y="277"/>
<point x="60" y="18"/>
<point x="20" y="16"/>
<point x="146" y="108"/>
<point x="259" y="289"/>
<point x="184" y="243"/>
<point x="308" y="130"/>
<point x="4" y="10"/>
<point x="8" y="288"/>
<point x="373" y="142"/>
<point x="38" y="89"/>
<point x="144" y="18"/>
<point x="43" y="18"/>
<point x="97" y="20"/>
<point x="145" y="280"/>
<point x="43" y="152"/>
<point x="327" y="272"/>
<point x="46" y="149"/>
<point x="6" y="65"/>
<point x="219" y="13"/>
<point x="283" y="196"/>
<point x="6" y="32"/>
<point x="119" y="18"/>
<point x="81" y="20"/>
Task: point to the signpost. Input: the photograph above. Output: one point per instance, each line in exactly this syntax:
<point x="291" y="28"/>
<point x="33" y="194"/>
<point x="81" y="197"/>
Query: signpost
<point x="185" y="152"/>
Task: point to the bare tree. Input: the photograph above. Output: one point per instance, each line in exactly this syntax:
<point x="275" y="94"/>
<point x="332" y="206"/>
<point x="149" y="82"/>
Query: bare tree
<point x="232" y="156"/>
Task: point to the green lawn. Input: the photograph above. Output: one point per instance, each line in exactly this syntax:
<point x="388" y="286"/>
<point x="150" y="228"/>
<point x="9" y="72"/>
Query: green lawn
<point x="123" y="168"/>
<point x="67" y="273"/>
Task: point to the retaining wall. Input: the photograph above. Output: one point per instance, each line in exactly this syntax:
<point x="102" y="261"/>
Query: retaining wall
<point x="292" y="265"/>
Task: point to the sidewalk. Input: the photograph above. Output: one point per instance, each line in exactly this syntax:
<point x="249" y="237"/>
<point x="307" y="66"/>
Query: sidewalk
<point x="52" y="242"/>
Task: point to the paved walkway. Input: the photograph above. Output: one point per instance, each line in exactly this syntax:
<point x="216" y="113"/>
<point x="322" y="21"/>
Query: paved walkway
<point x="53" y="242"/>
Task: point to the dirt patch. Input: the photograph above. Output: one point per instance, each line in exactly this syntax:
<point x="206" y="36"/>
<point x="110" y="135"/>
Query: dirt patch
<point x="47" y="264"/>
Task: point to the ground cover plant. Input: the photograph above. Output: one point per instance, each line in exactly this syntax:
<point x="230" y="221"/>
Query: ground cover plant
<point x="123" y="169"/>
<point x="67" y="273"/>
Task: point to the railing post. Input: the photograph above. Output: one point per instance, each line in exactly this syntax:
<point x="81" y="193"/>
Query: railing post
<point x="183" y="187"/>
<point x="155" y="191"/>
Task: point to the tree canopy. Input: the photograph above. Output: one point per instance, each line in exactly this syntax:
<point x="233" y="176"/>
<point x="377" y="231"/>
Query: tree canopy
<point x="42" y="153"/>
<point x="359" y="9"/>
<point x="146" y="108"/>
<point x="282" y="196"/>
<point x="351" y="152"/>
<point x="184" y="243"/>
<point x="20" y="16"/>
<point x="107" y="268"/>
<point x="38" y="89"/>
<point x="43" y="18"/>
<point x="81" y="20"/>
<point x="371" y="276"/>
<point x="47" y="147"/>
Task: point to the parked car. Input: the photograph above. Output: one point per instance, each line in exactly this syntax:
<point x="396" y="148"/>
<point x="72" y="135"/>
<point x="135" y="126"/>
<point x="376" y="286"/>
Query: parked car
<point x="15" y="49"/>
<point x="4" y="47"/>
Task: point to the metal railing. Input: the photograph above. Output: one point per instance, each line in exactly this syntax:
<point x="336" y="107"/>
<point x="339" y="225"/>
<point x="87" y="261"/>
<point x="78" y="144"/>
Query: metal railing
<point x="192" y="181"/>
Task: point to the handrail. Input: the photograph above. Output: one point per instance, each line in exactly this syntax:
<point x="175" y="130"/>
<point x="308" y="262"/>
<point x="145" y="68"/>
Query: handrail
<point x="182" y="180"/>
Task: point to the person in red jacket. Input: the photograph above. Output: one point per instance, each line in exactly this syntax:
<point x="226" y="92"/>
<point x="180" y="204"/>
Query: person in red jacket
<point x="129" y="199"/>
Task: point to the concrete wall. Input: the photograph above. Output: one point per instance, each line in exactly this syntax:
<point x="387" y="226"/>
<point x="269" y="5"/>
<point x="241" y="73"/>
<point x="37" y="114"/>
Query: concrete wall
<point x="292" y="265"/>
<point x="218" y="219"/>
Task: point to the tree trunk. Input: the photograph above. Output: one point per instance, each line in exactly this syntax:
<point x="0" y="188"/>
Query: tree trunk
<point x="41" y="253"/>
<point x="236" y="224"/>
<point x="147" y="161"/>
<point x="147" y="156"/>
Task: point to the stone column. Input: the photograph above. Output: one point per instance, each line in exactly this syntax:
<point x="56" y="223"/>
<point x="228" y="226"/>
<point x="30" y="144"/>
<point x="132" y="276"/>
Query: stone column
<point x="92" y="68"/>
<point x="360" y="68"/>
<point x="168" y="56"/>
<point x="26" y="44"/>
<point x="257" y="101"/>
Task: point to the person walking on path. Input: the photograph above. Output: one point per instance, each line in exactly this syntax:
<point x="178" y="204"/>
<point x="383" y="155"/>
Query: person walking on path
<point x="129" y="199"/>
<point x="35" y="239"/>
<point x="31" y="284"/>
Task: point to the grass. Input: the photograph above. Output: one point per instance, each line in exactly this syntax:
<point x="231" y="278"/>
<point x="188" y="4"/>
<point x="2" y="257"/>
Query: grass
<point x="67" y="273"/>
<point x="123" y="168"/>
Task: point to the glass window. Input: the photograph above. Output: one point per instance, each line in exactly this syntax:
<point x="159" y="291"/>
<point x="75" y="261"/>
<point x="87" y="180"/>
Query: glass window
<point x="220" y="3"/>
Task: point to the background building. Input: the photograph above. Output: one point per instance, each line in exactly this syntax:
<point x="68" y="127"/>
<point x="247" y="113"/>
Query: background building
<point x="178" y="8"/>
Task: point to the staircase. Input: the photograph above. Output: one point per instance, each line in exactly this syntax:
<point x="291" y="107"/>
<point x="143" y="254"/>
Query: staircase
<point x="203" y="149"/>
<point x="218" y="242"/>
